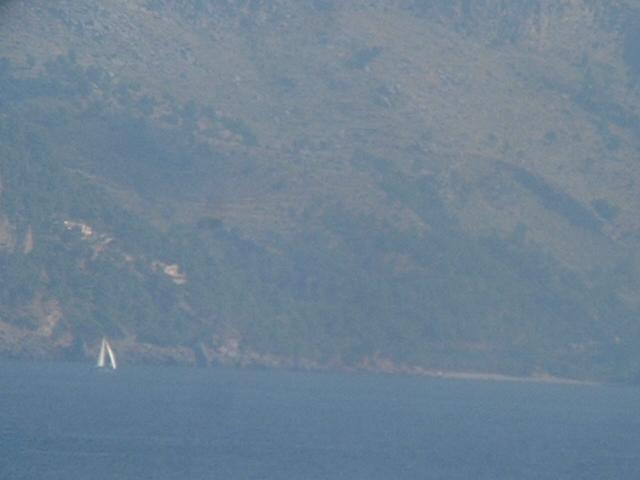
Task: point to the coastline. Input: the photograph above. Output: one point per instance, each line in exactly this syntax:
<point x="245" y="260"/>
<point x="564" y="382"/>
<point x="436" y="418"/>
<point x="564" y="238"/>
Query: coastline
<point x="499" y="377"/>
<point x="17" y="344"/>
<point x="380" y="365"/>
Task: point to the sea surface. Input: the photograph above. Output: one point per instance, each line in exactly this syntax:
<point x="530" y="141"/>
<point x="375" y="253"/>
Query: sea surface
<point x="70" y="421"/>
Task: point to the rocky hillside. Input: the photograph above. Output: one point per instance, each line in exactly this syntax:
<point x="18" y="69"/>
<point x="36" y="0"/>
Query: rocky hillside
<point x="438" y="184"/>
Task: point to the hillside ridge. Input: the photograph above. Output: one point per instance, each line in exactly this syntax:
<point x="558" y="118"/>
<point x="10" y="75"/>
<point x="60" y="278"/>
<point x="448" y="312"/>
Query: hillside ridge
<point x="449" y="185"/>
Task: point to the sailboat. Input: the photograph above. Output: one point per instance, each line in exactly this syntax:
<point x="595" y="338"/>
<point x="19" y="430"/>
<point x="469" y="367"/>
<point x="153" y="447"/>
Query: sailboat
<point x="106" y="353"/>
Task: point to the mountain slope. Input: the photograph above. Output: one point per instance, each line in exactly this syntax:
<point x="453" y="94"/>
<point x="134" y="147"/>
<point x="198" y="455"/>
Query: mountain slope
<point x="442" y="184"/>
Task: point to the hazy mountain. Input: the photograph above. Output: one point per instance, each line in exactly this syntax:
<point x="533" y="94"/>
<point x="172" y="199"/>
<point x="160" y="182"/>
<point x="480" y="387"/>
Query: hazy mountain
<point x="444" y="184"/>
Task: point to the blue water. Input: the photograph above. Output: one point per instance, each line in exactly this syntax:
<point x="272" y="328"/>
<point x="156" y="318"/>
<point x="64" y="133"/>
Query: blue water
<point x="65" y="421"/>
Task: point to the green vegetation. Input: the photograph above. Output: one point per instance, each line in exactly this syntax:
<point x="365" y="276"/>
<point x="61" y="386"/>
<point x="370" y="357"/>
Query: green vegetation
<point x="443" y="184"/>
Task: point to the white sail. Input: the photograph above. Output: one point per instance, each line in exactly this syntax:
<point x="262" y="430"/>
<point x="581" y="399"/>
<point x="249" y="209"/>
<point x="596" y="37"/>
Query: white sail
<point x="106" y="350"/>
<point x="112" y="356"/>
<point x="103" y="351"/>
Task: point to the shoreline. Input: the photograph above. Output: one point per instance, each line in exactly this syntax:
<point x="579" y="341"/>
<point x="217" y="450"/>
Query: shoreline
<point x="500" y="377"/>
<point x="335" y="369"/>
<point x="229" y="353"/>
<point x="377" y="364"/>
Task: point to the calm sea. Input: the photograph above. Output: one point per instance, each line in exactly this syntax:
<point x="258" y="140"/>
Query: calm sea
<point x="69" y="421"/>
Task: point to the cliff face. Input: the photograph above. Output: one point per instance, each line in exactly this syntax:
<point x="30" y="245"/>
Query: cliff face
<point x="441" y="184"/>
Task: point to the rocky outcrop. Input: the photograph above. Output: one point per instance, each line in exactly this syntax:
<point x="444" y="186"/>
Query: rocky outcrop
<point x="38" y="334"/>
